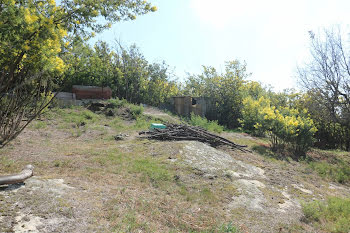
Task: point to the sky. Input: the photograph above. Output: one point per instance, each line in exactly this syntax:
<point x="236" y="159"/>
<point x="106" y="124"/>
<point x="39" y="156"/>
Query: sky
<point x="271" y="36"/>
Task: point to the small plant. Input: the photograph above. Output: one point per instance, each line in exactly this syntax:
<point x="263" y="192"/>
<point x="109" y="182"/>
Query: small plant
<point x="331" y="216"/>
<point x="136" y="110"/>
<point x="155" y="172"/>
<point x="229" y="228"/>
<point x="117" y="103"/>
<point x="40" y="125"/>
<point x="204" y="123"/>
<point x="141" y="123"/>
<point x="339" y="172"/>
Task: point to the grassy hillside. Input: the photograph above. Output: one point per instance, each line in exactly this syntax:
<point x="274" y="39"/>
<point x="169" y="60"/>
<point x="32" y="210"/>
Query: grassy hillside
<point x="92" y="182"/>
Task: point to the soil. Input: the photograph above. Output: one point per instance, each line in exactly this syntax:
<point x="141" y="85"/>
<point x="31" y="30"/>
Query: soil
<point x="83" y="184"/>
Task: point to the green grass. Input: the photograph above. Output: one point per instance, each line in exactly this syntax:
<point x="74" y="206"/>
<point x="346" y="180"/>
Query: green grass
<point x="38" y="125"/>
<point x="77" y="116"/>
<point x="8" y="165"/>
<point x="136" y="110"/>
<point x="229" y="228"/>
<point x="151" y="169"/>
<point x="204" y="123"/>
<point x="339" y="172"/>
<point x="117" y="123"/>
<point x="117" y="103"/>
<point x="330" y="216"/>
<point x="141" y="123"/>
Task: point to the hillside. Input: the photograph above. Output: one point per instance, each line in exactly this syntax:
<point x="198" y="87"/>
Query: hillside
<point x="87" y="181"/>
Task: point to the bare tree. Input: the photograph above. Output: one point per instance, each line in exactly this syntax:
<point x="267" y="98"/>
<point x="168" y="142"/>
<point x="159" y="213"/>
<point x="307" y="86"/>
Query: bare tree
<point x="327" y="79"/>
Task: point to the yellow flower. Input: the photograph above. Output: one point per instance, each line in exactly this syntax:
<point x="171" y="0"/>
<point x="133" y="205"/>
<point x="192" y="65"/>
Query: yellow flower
<point x="28" y="17"/>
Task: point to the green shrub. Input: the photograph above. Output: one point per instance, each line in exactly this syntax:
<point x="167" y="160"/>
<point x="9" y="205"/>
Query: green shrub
<point x="117" y="103"/>
<point x="286" y="127"/>
<point x="136" y="110"/>
<point x="331" y="216"/>
<point x="204" y="123"/>
<point x="339" y="172"/>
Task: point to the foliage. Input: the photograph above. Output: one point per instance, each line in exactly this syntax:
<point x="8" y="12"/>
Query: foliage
<point x="339" y="172"/>
<point x="33" y="38"/>
<point x="224" y="91"/>
<point x="152" y="170"/>
<point x="136" y="110"/>
<point x="284" y="125"/>
<point x="331" y="216"/>
<point x="117" y="103"/>
<point x="124" y="70"/>
<point x="326" y="80"/>
<point x="204" y="123"/>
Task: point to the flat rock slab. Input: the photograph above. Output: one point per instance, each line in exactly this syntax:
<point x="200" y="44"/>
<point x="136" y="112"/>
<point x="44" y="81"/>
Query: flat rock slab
<point x="40" y="205"/>
<point x="212" y="161"/>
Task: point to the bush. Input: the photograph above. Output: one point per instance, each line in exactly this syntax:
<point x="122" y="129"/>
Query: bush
<point x="339" y="172"/>
<point x="204" y="123"/>
<point x="331" y="216"/>
<point x="136" y="110"/>
<point x="117" y="103"/>
<point x="286" y="127"/>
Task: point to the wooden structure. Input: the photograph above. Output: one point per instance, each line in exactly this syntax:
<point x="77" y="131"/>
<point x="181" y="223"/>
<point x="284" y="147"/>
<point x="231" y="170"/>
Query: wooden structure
<point x="184" y="105"/>
<point x="91" y="92"/>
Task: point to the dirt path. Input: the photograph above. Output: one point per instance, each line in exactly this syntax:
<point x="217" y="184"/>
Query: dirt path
<point x="157" y="113"/>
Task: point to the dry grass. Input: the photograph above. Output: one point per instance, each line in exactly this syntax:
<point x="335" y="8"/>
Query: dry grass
<point x="135" y="185"/>
<point x="128" y="185"/>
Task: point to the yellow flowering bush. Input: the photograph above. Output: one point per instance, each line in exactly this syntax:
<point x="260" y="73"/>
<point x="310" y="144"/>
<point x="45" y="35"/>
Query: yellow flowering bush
<point x="286" y="127"/>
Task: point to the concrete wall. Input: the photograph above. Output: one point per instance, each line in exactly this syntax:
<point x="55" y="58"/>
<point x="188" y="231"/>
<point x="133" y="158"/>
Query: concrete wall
<point x="65" y="99"/>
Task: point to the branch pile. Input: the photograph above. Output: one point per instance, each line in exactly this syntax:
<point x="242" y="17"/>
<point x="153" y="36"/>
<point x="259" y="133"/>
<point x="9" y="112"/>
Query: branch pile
<point x="193" y="133"/>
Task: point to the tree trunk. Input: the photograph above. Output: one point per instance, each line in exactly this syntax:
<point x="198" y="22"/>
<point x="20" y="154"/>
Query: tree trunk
<point x="17" y="178"/>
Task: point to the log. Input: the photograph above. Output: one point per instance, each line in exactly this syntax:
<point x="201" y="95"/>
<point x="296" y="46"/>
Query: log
<point x="17" y="178"/>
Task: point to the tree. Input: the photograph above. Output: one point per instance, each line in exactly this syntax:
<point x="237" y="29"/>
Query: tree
<point x="33" y="36"/>
<point x="224" y="90"/>
<point x="326" y="78"/>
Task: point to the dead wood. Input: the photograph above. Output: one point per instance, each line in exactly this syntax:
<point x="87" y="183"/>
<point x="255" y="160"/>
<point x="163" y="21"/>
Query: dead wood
<point x="193" y="133"/>
<point x="18" y="178"/>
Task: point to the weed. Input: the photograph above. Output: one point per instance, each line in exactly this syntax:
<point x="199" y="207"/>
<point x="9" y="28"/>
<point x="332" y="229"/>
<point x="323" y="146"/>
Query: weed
<point x="117" y="123"/>
<point x="7" y="164"/>
<point x="204" y="123"/>
<point x="207" y="195"/>
<point x="141" y="123"/>
<point x="152" y="170"/>
<point x="339" y="172"/>
<point x="39" y="125"/>
<point x="229" y="228"/>
<point x="331" y="216"/>
<point x="117" y="103"/>
<point x="136" y="110"/>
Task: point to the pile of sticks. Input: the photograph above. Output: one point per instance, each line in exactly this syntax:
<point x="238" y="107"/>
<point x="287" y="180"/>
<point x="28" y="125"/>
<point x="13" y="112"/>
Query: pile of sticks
<point x="187" y="132"/>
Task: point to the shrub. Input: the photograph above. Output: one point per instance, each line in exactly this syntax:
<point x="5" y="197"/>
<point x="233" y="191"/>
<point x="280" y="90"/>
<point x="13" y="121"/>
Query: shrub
<point x="117" y="103"/>
<point x="136" y="110"/>
<point x="339" y="172"/>
<point x="331" y="216"/>
<point x="204" y="123"/>
<point x="286" y="127"/>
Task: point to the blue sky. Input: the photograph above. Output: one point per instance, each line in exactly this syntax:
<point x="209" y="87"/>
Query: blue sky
<point x="270" y="35"/>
